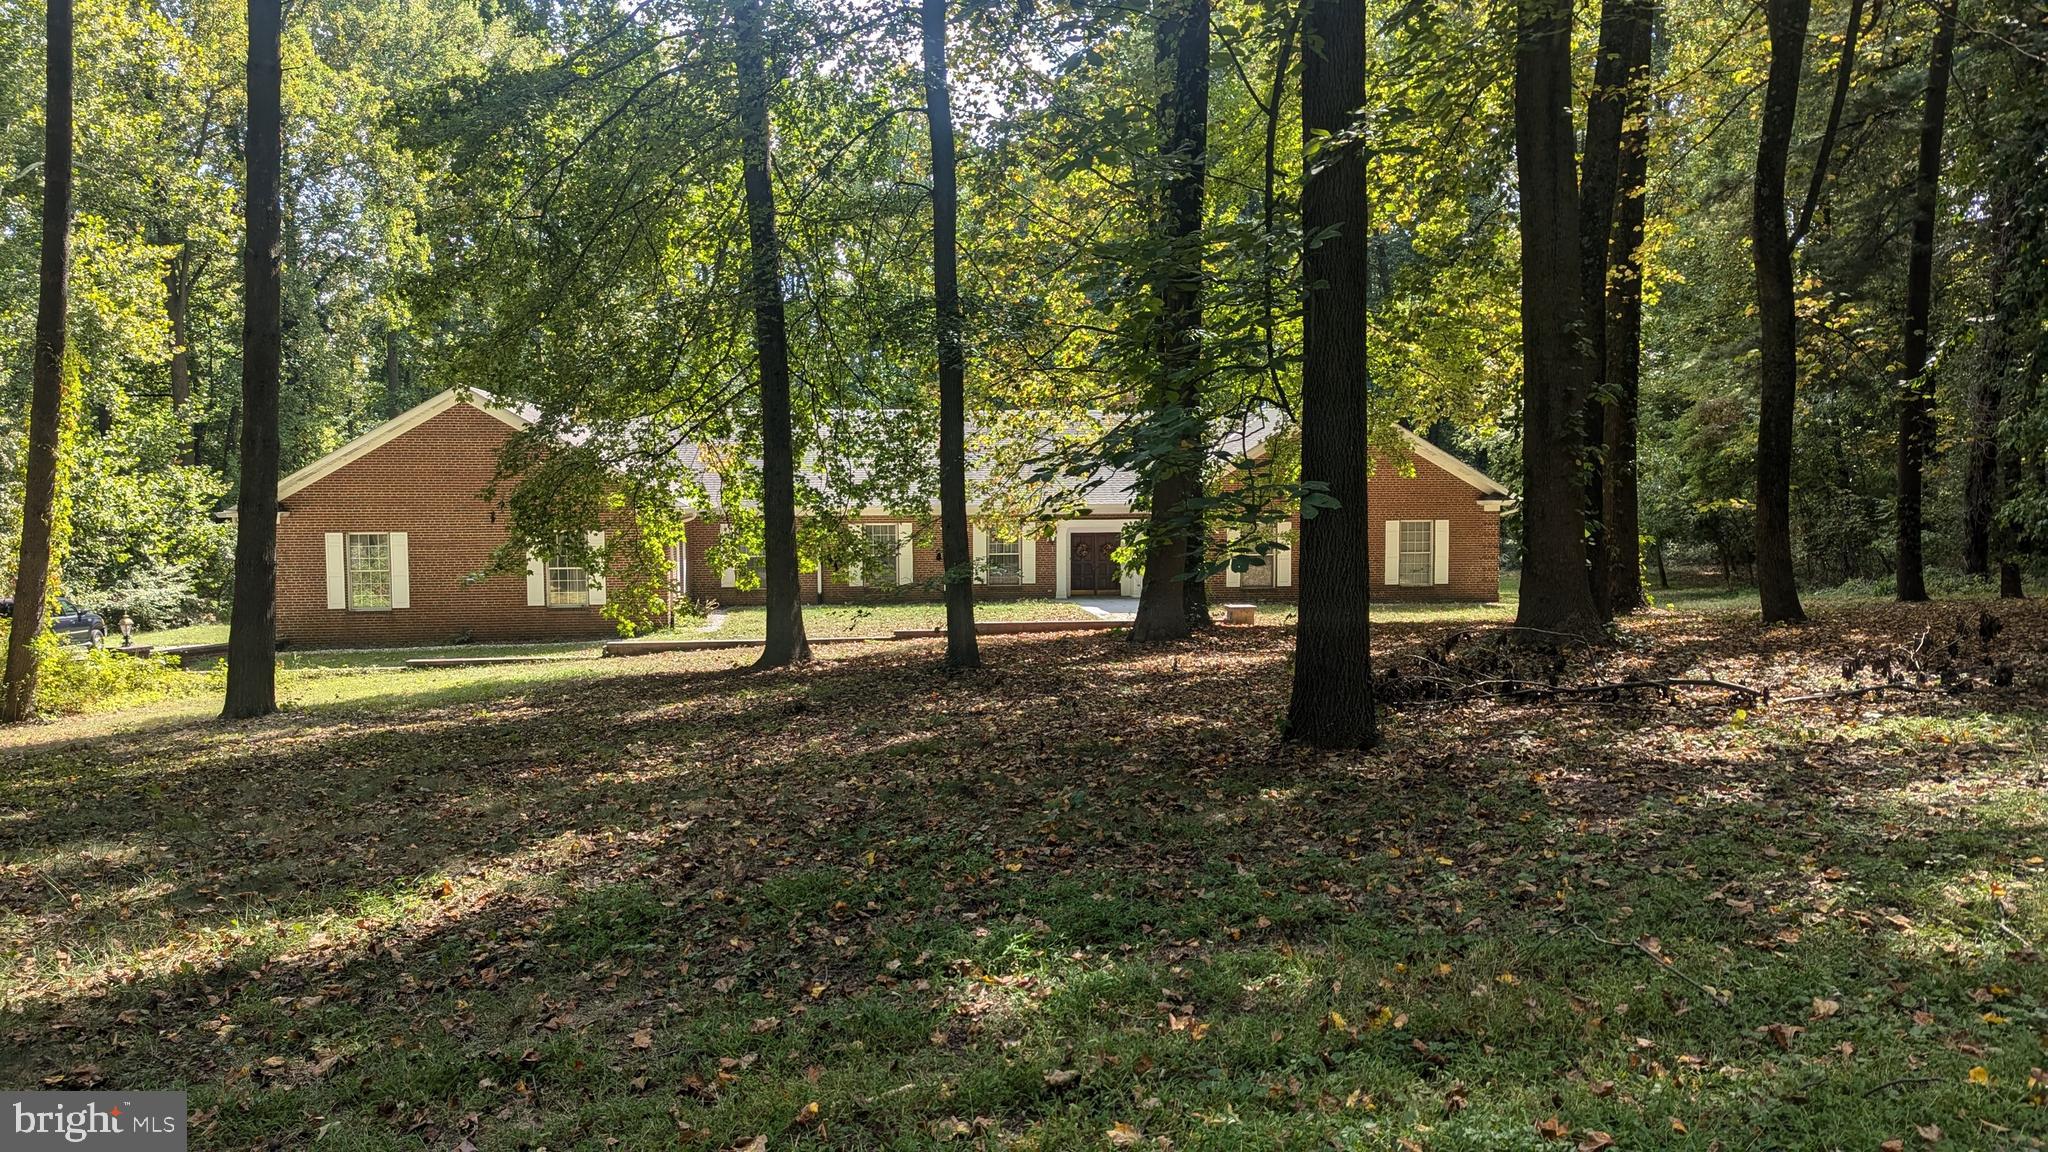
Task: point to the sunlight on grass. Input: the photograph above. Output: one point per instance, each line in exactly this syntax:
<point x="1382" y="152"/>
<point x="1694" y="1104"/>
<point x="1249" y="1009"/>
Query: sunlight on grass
<point x="747" y="622"/>
<point x="867" y="904"/>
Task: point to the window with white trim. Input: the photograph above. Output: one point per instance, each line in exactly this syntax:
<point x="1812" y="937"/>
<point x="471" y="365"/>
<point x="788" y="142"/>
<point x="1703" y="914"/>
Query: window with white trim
<point x="1418" y="553"/>
<point x="1260" y="575"/>
<point x="1004" y="561"/>
<point x="568" y="585"/>
<point x="880" y="538"/>
<point x="369" y="571"/>
<point x="880" y="544"/>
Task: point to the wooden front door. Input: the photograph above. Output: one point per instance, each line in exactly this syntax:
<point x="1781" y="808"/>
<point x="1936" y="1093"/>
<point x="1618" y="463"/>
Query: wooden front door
<point x="1091" y="571"/>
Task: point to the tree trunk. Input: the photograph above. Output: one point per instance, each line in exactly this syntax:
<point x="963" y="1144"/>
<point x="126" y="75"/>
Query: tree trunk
<point x="178" y="311"/>
<point x="1175" y="600"/>
<point x="1599" y="185"/>
<point x="1778" y="379"/>
<point x="961" y="649"/>
<point x="1981" y="496"/>
<point x="1916" y="392"/>
<point x="1845" y="70"/>
<point x="394" y="373"/>
<point x="1556" y="590"/>
<point x="46" y="389"/>
<point x="786" y="642"/>
<point x="252" y="626"/>
<point x="1331" y="705"/>
<point x="1622" y="301"/>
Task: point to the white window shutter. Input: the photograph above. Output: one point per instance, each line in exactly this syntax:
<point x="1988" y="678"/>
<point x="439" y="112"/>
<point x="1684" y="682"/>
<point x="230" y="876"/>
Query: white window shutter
<point x="1232" y="578"/>
<point x="980" y="555"/>
<point x="1393" y="573"/>
<point x="1283" y="561"/>
<point x="1440" y="553"/>
<point x="337" y="570"/>
<point x="595" y="541"/>
<point x="906" y="558"/>
<point x="1027" y="555"/>
<point x="401" y="571"/>
<point x="536" y="583"/>
<point x="730" y="578"/>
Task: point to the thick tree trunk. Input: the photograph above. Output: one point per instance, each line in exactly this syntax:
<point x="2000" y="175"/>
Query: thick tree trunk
<point x="1331" y="705"/>
<point x="1916" y="392"/>
<point x="962" y="651"/>
<point x="1779" y="371"/>
<point x="1599" y="187"/>
<point x="786" y="642"/>
<point x="1557" y="593"/>
<point x="1620" y="512"/>
<point x="252" y="626"/>
<point x="1174" y="601"/>
<point x="46" y="387"/>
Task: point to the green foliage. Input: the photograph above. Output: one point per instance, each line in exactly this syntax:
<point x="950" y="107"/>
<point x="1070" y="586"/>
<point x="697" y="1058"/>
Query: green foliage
<point x="71" y="678"/>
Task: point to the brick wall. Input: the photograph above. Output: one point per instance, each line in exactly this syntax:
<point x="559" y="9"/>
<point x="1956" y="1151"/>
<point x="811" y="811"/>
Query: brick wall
<point x="427" y="484"/>
<point x="428" y="481"/>
<point x="705" y="580"/>
<point x="1430" y="494"/>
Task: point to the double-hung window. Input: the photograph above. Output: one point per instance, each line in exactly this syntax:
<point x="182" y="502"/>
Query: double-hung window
<point x="881" y="544"/>
<point x="1418" y="556"/>
<point x="1003" y="563"/>
<point x="369" y="571"/>
<point x="568" y="586"/>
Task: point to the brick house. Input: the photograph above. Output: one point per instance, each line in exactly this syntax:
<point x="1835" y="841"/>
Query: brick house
<point x="386" y="541"/>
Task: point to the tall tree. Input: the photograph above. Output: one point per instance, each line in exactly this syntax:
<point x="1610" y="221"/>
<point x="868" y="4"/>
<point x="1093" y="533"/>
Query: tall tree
<point x="1778" y="371"/>
<point x="1916" y="392"/>
<point x="1557" y="595"/>
<point x="1599" y="188"/>
<point x="1845" y="70"/>
<point x="961" y="648"/>
<point x="252" y="626"/>
<point x="1622" y="301"/>
<point x="786" y="642"/>
<point x="1174" y="600"/>
<point x="1331" y="705"/>
<point x="1981" y="468"/>
<point x="46" y="398"/>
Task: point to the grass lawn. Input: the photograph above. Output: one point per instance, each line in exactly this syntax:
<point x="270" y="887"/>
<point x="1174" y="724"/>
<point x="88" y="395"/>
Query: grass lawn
<point x="189" y="634"/>
<point x="882" y="619"/>
<point x="1080" y="899"/>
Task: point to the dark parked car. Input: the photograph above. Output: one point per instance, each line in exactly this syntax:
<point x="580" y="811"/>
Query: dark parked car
<point x="73" y="624"/>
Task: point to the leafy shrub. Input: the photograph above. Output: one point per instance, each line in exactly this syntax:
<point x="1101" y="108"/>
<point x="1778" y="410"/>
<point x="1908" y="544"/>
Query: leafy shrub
<point x="155" y="598"/>
<point x="73" y="679"/>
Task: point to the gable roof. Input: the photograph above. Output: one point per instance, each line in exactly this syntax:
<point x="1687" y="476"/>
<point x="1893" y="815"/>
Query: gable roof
<point x="1246" y="438"/>
<point x="392" y="429"/>
<point x="1487" y="487"/>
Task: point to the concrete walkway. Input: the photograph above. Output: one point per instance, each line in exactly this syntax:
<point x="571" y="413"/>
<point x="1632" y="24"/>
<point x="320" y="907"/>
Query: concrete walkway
<point x="1123" y="608"/>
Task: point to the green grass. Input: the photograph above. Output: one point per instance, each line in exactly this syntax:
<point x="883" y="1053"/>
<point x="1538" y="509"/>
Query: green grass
<point x="882" y="619"/>
<point x="648" y="903"/>
<point x="189" y="634"/>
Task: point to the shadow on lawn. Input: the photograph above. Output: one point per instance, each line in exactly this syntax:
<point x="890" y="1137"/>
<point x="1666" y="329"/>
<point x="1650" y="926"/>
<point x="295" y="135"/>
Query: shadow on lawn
<point x="880" y="860"/>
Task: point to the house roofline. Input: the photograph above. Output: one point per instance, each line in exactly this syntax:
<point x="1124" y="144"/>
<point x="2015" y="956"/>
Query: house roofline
<point x="392" y="429"/>
<point x="1486" y="486"/>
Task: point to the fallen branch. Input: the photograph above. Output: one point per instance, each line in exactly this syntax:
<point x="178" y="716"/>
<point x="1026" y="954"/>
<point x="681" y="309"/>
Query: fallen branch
<point x="1900" y="1083"/>
<point x="1720" y="997"/>
<point x="1524" y="690"/>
